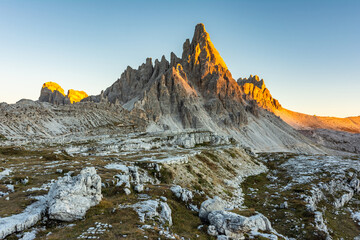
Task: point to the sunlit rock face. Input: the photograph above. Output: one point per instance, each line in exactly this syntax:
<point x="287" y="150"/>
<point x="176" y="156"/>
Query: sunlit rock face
<point x="76" y="96"/>
<point x="52" y="92"/>
<point x="255" y="89"/>
<point x="52" y="86"/>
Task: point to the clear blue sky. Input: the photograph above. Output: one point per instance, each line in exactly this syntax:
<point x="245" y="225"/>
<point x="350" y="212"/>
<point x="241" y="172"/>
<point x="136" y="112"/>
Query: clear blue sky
<point x="308" y="52"/>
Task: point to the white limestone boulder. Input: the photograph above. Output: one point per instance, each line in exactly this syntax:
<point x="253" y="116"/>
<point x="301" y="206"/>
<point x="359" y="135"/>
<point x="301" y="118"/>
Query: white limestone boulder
<point x="182" y="193"/>
<point x="70" y="197"/>
<point x="153" y="209"/>
<point x="212" y="204"/>
<point x="234" y="225"/>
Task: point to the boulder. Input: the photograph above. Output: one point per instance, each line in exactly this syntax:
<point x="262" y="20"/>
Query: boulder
<point x="139" y="188"/>
<point x="284" y="205"/>
<point x="153" y="209"/>
<point x="232" y="224"/>
<point x="212" y="204"/>
<point x="70" y="197"/>
<point x="182" y="193"/>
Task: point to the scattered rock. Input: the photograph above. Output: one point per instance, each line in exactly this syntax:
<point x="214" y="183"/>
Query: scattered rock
<point x="234" y="225"/>
<point x="139" y="188"/>
<point x="284" y="205"/>
<point x="127" y="191"/>
<point x="152" y="209"/>
<point x="212" y="230"/>
<point x="70" y="197"/>
<point x="182" y="193"/>
<point x="320" y="224"/>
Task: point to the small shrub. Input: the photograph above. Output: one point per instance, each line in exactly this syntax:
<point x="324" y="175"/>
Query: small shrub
<point x="167" y="176"/>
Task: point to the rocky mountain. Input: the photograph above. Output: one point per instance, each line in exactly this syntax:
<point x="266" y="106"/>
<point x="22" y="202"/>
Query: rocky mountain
<point x="51" y="92"/>
<point x="192" y="91"/>
<point x="197" y="91"/>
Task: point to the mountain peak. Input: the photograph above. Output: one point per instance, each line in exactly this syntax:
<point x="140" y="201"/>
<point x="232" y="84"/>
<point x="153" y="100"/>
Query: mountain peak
<point x="201" y="51"/>
<point x="53" y="86"/>
<point x="200" y="32"/>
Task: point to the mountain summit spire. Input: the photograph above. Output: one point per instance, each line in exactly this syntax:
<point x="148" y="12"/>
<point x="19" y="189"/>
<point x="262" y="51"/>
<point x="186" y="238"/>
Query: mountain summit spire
<point x="201" y="51"/>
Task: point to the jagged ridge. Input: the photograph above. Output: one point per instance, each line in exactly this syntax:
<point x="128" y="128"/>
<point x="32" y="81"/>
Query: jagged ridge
<point x="190" y="90"/>
<point x="198" y="91"/>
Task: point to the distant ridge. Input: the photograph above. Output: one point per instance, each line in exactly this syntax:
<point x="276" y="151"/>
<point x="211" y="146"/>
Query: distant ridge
<point x="254" y="89"/>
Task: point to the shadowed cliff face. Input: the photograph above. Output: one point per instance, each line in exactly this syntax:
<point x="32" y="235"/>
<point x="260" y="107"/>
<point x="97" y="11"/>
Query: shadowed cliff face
<point x="51" y="92"/>
<point x="188" y="90"/>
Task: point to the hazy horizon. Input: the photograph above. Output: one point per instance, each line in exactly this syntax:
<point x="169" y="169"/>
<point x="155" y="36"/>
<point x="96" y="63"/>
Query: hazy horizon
<point x="307" y="52"/>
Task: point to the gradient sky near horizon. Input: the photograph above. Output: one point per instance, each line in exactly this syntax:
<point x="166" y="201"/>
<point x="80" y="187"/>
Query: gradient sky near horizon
<point x="308" y="52"/>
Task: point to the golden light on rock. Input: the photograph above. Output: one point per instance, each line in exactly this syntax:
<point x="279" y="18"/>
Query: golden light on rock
<point x="76" y="96"/>
<point x="52" y="86"/>
<point x="204" y="50"/>
<point x="72" y="95"/>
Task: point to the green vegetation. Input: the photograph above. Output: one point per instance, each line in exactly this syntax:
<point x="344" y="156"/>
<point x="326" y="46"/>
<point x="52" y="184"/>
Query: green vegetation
<point x="213" y="166"/>
<point x="2" y="137"/>
<point x="167" y="176"/>
<point x="231" y="153"/>
<point x="212" y="156"/>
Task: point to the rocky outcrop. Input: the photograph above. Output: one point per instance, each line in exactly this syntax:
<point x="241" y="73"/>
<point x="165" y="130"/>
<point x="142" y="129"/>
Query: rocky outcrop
<point x="330" y="132"/>
<point x="229" y="225"/>
<point x="51" y="92"/>
<point x="153" y="209"/>
<point x="182" y="193"/>
<point x="235" y="226"/>
<point x="76" y="96"/>
<point x="255" y="90"/>
<point x="197" y="91"/>
<point x="212" y="204"/>
<point x="70" y="197"/>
